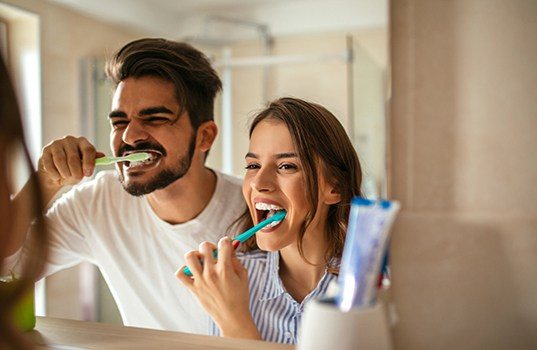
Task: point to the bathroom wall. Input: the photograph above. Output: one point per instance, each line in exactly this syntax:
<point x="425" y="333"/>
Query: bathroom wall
<point x="463" y="141"/>
<point x="65" y="38"/>
<point x="324" y="81"/>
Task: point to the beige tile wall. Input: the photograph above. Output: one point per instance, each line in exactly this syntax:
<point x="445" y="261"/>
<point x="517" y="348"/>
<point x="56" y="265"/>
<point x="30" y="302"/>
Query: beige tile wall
<point x="66" y="37"/>
<point x="464" y="166"/>
<point x="324" y="82"/>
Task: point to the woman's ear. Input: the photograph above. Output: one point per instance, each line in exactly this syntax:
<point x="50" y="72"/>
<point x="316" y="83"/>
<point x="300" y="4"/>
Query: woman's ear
<point x="207" y="132"/>
<point x="331" y="194"/>
<point x="333" y="197"/>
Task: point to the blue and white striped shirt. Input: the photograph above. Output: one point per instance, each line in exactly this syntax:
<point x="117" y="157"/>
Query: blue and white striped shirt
<point x="276" y="314"/>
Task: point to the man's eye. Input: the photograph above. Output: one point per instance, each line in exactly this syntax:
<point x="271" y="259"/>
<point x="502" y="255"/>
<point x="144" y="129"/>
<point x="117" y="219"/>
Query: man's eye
<point x="119" y="123"/>
<point x="156" y="120"/>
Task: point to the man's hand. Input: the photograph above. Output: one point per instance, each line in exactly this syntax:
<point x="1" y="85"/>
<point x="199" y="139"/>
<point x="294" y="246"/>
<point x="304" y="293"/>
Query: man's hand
<point x="65" y="162"/>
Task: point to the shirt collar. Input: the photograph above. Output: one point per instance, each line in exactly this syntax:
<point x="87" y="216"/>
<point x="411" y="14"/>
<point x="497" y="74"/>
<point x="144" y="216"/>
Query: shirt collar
<point x="273" y="284"/>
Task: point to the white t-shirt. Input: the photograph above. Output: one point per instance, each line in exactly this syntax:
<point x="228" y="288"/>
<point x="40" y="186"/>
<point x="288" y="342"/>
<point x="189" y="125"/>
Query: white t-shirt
<point x="136" y="251"/>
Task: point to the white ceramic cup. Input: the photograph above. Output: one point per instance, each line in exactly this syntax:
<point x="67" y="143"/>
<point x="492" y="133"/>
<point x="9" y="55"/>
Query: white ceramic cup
<point x="324" y="327"/>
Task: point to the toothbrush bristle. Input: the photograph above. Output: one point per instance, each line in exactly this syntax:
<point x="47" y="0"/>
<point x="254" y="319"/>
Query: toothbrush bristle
<point x="274" y="223"/>
<point x="277" y="218"/>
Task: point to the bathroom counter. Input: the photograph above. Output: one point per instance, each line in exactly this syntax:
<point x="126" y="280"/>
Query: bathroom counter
<point x="55" y="333"/>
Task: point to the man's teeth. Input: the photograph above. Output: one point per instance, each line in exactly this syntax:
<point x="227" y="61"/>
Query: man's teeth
<point x="151" y="159"/>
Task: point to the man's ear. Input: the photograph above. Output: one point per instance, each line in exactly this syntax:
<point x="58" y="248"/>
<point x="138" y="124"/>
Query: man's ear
<point x="206" y="135"/>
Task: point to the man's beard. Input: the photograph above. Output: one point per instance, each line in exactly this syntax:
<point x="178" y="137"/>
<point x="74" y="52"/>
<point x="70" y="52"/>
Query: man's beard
<point x="165" y="177"/>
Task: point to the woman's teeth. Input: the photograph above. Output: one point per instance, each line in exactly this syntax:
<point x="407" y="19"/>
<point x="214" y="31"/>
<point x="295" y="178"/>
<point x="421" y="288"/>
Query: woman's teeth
<point x="266" y="206"/>
<point x="271" y="210"/>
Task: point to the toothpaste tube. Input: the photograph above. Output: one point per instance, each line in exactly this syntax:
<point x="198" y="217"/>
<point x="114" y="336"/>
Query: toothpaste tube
<point x="365" y="245"/>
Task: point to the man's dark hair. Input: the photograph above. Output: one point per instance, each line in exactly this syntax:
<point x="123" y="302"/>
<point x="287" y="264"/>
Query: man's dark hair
<point x="196" y="82"/>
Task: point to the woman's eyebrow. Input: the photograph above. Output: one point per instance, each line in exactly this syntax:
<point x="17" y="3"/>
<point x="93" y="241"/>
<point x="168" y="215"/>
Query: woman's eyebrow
<point x="286" y="155"/>
<point x="278" y="156"/>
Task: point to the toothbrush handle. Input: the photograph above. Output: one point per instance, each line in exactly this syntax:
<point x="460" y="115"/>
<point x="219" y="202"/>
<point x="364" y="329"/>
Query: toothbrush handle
<point x="241" y="238"/>
<point x="186" y="269"/>
<point x="104" y="161"/>
<point x="107" y="160"/>
<point x="236" y="242"/>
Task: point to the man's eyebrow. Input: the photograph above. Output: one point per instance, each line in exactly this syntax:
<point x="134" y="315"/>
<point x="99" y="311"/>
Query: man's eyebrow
<point x="155" y="110"/>
<point x="278" y="156"/>
<point x="117" y="114"/>
<point x="143" y="112"/>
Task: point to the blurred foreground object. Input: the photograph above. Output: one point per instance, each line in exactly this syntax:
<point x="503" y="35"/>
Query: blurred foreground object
<point x="16" y="297"/>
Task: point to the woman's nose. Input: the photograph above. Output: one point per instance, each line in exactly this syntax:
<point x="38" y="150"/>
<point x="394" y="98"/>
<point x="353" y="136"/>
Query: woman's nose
<point x="263" y="181"/>
<point x="134" y="132"/>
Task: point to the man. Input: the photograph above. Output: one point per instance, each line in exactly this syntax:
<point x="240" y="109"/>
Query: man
<point x="137" y="229"/>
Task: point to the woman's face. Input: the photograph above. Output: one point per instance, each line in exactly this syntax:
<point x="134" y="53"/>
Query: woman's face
<point x="274" y="181"/>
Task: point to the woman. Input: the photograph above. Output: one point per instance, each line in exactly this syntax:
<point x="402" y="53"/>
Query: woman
<point x="300" y="160"/>
<point x="11" y="141"/>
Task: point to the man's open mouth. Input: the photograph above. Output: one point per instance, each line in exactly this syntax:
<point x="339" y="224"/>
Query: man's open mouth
<point x="154" y="157"/>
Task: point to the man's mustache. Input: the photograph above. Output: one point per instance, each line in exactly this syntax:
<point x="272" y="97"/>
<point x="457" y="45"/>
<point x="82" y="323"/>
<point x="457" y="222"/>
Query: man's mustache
<point x="141" y="146"/>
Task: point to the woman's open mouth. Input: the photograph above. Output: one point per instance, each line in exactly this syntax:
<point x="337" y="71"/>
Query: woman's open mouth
<point x="265" y="211"/>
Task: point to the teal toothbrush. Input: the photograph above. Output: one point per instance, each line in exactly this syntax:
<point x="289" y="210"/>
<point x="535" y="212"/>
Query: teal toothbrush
<point x="133" y="157"/>
<point x="243" y="237"/>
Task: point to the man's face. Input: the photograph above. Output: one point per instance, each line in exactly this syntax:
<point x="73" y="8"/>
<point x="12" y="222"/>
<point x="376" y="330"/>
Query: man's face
<point x="145" y="118"/>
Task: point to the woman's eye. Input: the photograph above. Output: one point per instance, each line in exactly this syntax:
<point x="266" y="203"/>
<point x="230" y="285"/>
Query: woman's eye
<point x="251" y="166"/>
<point x="287" y="166"/>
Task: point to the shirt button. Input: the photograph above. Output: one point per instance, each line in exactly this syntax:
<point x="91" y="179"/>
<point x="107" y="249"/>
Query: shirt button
<point x="288" y="335"/>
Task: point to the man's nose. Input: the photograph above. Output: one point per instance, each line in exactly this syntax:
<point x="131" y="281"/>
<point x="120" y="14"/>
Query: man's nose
<point x="134" y="132"/>
<point x="264" y="180"/>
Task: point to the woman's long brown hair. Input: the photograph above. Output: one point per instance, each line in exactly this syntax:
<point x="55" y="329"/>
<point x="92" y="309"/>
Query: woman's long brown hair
<point x="323" y="146"/>
<point x="12" y="138"/>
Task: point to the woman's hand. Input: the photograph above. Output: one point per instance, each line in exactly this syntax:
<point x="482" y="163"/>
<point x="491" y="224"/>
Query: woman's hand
<point x="221" y="286"/>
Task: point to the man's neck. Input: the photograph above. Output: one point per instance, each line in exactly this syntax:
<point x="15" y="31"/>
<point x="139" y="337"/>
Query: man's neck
<point x="186" y="198"/>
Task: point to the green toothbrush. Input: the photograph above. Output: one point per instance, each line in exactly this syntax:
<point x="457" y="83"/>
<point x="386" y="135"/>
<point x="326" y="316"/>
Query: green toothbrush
<point x="133" y="157"/>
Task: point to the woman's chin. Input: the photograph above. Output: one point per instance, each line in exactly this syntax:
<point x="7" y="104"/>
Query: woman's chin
<point x="268" y="246"/>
